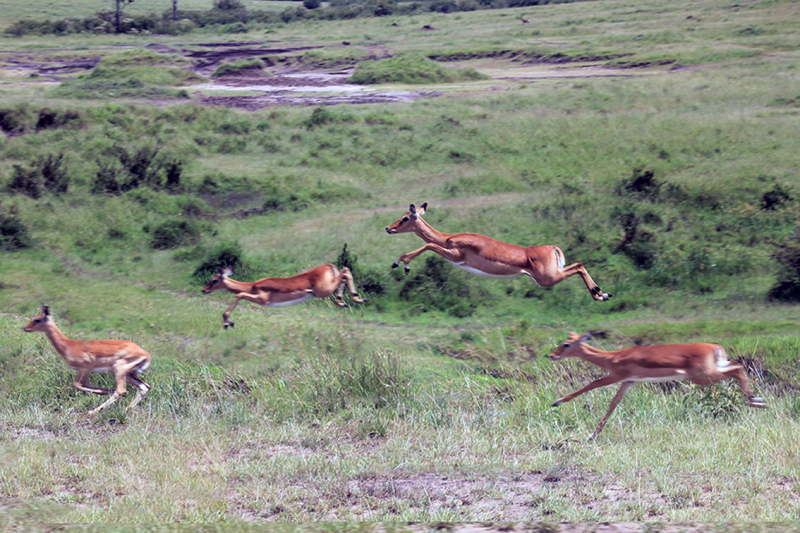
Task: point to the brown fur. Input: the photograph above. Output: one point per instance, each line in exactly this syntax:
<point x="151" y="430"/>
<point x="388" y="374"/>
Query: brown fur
<point x="122" y="358"/>
<point x="700" y="363"/>
<point x="319" y="282"/>
<point x="489" y="257"/>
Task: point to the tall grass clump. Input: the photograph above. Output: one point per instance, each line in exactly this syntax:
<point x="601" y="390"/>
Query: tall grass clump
<point x="247" y="66"/>
<point x="13" y="233"/>
<point x="334" y="381"/>
<point x="410" y="69"/>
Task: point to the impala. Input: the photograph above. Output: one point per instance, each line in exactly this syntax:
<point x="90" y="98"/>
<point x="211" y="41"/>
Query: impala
<point x="524" y="20"/>
<point x="490" y="258"/>
<point x="701" y="363"/>
<point x="319" y="282"/>
<point x="122" y="358"/>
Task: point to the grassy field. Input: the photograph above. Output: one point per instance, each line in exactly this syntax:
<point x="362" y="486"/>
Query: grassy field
<point x="674" y="181"/>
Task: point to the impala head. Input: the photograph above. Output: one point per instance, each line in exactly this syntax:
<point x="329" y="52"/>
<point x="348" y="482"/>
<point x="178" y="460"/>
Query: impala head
<point x="217" y="283"/>
<point x="39" y="322"/>
<point x="570" y="347"/>
<point x="408" y="221"/>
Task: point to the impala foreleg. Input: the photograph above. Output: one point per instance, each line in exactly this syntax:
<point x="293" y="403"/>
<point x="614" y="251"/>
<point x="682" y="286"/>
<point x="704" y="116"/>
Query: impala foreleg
<point x="82" y="384"/>
<point x="620" y="393"/>
<point x="602" y="382"/>
<point x="454" y="256"/>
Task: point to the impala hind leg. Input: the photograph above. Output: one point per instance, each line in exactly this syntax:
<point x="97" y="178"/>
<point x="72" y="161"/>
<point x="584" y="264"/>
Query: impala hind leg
<point x="118" y="393"/>
<point x="549" y="275"/>
<point x="454" y="256"/>
<point x="141" y="385"/>
<point x="345" y="276"/>
<point x="734" y="370"/>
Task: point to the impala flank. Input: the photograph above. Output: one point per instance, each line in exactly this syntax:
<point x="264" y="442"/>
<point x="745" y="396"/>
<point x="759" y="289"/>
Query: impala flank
<point x="319" y="282"/>
<point x="491" y="258"/>
<point x="700" y="363"/>
<point x="122" y="358"/>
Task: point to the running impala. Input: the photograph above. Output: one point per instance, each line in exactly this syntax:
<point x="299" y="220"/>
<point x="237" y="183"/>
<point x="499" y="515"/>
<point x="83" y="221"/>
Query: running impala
<point x="124" y="359"/>
<point x="319" y="282"/>
<point x="700" y="363"/>
<point x="490" y="258"/>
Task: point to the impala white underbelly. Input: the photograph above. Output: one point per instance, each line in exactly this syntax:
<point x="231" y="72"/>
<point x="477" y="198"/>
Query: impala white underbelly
<point x="287" y="303"/>
<point x="486" y="274"/>
<point x="675" y="377"/>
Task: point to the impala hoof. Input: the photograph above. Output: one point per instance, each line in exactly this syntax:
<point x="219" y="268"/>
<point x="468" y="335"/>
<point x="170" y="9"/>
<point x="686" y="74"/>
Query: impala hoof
<point x="757" y="402"/>
<point x="556" y="403"/>
<point x="229" y="325"/>
<point x="395" y="264"/>
<point x="407" y="269"/>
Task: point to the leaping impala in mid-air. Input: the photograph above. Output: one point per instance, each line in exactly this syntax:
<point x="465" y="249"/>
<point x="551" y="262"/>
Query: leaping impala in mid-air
<point x="491" y="258"/>
<point x="319" y="282"/>
<point x="700" y="363"/>
<point x="124" y="359"/>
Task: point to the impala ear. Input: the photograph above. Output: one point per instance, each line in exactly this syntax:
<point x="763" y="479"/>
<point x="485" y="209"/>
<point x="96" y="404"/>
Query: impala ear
<point x="45" y="310"/>
<point x="413" y="211"/>
<point x="421" y="210"/>
<point x="585" y="337"/>
<point x="225" y="272"/>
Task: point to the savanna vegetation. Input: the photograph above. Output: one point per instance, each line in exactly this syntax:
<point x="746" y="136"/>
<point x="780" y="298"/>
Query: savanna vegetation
<point x="674" y="181"/>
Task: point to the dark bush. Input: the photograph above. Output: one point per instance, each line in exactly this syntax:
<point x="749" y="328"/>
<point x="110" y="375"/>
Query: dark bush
<point x="775" y="198"/>
<point x="311" y="4"/>
<point x="637" y="244"/>
<point x="642" y="184"/>
<point x="25" y="181"/>
<point x="369" y="282"/>
<point x="13" y="233"/>
<point x="787" y="255"/>
<point x="174" y="233"/>
<point x="440" y="286"/>
<point x="221" y="256"/>
<point x="228" y="5"/>
<point x="15" y="120"/>
<point x="50" y="118"/>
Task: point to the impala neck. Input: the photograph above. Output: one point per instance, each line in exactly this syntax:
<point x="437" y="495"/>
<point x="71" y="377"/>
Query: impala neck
<point x="426" y="232"/>
<point x="597" y="357"/>
<point x="59" y="340"/>
<point x="231" y="285"/>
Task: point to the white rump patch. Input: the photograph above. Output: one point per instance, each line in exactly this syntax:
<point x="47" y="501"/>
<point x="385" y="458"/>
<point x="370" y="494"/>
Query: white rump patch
<point x="143" y="367"/>
<point x="473" y="270"/>
<point x="305" y="298"/>
<point x="721" y="360"/>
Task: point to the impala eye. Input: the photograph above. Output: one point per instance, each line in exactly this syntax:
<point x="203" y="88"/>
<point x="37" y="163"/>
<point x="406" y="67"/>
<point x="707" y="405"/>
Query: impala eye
<point x="405" y="219"/>
<point x="37" y="320"/>
<point x="565" y="345"/>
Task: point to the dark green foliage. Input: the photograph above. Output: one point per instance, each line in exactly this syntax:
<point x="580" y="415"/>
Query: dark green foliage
<point x="787" y="255"/>
<point x="642" y="184"/>
<point x="371" y="282"/>
<point x="228" y="5"/>
<point x="440" y="286"/>
<point x="174" y="233"/>
<point x="13" y="233"/>
<point x="311" y="4"/>
<point x="54" y="118"/>
<point x="775" y="198"/>
<point x="637" y="244"/>
<point x="323" y="115"/>
<point x="222" y="255"/>
<point x="46" y="172"/>
<point x="15" y="120"/>
<point x="126" y="169"/>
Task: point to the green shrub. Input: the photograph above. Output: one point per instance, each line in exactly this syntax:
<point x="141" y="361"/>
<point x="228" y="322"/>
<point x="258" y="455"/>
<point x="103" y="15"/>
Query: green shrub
<point x="48" y="172"/>
<point x="13" y="233"/>
<point x="410" y="69"/>
<point x="787" y="255"/>
<point x="174" y="233"/>
<point x="248" y="66"/>
<point x="440" y="286"/>
<point x="222" y="255"/>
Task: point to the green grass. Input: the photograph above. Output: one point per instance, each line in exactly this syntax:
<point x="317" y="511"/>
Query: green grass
<point x="431" y="403"/>
<point x="410" y="69"/>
